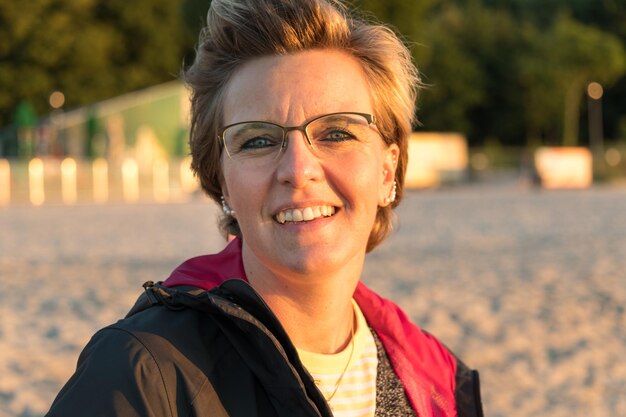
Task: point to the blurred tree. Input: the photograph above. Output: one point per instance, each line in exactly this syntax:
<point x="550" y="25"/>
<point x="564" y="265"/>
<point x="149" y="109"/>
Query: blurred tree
<point x="494" y="68"/>
<point x="557" y="66"/>
<point x="88" y="49"/>
<point x="407" y="17"/>
<point x="503" y="74"/>
<point x="540" y="95"/>
<point x="453" y="75"/>
<point x="606" y="15"/>
<point x="194" y="19"/>
<point x="610" y="16"/>
<point x="469" y="67"/>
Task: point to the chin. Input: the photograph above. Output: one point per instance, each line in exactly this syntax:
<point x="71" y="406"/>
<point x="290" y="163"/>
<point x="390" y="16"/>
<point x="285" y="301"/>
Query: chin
<point x="318" y="261"/>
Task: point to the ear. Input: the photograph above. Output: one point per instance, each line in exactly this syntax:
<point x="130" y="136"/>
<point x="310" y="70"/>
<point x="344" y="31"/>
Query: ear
<point x="390" y="164"/>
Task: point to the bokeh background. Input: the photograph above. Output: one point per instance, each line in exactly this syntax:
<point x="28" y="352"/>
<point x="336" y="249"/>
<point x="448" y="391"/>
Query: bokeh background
<point x="503" y="72"/>
<point x="524" y="282"/>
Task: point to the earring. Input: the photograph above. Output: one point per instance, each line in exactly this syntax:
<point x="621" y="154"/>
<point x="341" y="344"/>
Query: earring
<point x="392" y="195"/>
<point x="226" y="209"/>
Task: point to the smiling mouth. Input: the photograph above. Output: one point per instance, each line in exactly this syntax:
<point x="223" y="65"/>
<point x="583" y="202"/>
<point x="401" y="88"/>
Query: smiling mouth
<point x="306" y="214"/>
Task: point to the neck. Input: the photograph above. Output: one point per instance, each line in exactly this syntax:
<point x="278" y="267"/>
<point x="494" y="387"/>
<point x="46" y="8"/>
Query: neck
<point x="316" y="311"/>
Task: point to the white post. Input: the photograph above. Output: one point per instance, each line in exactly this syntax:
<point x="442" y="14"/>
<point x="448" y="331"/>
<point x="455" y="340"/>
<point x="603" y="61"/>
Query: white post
<point x="161" y="180"/>
<point x="5" y="182"/>
<point x="130" y="180"/>
<point x="36" y="182"/>
<point x="100" y="175"/>
<point x="188" y="182"/>
<point x="68" y="181"/>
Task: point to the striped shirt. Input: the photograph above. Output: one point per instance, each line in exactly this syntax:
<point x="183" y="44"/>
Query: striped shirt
<point x="356" y="393"/>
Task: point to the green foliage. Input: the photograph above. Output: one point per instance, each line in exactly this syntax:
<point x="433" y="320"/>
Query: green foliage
<point x="453" y="75"/>
<point x="510" y="70"/>
<point x="405" y="16"/>
<point x="194" y="18"/>
<point x="468" y="65"/>
<point x="88" y="49"/>
<point x="559" y="63"/>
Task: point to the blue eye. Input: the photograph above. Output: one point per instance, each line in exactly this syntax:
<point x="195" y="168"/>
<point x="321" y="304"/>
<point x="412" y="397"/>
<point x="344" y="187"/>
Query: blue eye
<point x="258" y="142"/>
<point x="338" y="136"/>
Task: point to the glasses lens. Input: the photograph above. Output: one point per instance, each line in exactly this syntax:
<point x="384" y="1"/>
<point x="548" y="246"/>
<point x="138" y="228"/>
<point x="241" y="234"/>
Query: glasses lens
<point x="331" y="136"/>
<point x="253" y="140"/>
<point x="337" y="132"/>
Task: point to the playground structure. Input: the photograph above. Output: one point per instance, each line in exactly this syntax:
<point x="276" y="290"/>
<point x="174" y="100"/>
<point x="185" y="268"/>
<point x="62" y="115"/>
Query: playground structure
<point x="130" y="148"/>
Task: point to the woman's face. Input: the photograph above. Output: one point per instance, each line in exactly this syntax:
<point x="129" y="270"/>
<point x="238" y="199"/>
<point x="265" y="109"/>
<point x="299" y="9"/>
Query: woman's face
<point x="292" y="90"/>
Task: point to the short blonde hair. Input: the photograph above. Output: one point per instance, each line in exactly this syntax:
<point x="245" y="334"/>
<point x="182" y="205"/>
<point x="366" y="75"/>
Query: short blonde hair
<point x="240" y="30"/>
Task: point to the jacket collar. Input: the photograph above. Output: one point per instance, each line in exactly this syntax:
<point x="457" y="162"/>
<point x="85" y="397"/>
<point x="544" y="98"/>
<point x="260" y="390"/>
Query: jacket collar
<point x="425" y="367"/>
<point x="208" y="271"/>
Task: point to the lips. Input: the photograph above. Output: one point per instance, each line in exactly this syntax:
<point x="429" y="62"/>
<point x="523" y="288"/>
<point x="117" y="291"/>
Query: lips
<point x="304" y="214"/>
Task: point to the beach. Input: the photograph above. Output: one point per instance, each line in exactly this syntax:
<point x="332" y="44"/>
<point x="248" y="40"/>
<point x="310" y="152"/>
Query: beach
<point x="527" y="286"/>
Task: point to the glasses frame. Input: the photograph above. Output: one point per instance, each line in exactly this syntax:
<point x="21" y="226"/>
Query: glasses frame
<point x="371" y="121"/>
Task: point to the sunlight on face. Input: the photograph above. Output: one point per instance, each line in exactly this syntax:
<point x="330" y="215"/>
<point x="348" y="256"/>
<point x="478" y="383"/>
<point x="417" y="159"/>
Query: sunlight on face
<point x="329" y="203"/>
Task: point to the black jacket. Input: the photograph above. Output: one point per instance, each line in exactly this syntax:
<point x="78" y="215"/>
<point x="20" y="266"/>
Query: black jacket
<point x="190" y="352"/>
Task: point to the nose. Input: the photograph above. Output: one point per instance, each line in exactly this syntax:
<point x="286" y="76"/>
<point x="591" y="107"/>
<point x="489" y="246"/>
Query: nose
<point x="297" y="164"/>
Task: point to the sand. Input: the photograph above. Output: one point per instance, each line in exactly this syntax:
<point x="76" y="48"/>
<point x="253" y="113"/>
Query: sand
<point x="527" y="286"/>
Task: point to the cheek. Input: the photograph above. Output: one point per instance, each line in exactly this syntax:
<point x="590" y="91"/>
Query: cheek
<point x="234" y="178"/>
<point x="233" y="182"/>
<point x="359" y="179"/>
<point x="246" y="191"/>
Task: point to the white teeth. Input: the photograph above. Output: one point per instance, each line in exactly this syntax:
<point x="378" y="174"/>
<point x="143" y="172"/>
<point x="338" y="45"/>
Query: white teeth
<point x="305" y="214"/>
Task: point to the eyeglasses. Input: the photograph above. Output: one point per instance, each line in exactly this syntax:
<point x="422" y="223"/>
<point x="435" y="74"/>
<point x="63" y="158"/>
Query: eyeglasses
<point x="330" y="135"/>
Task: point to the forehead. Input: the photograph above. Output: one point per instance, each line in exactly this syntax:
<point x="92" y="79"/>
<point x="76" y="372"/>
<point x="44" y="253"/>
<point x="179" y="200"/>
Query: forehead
<point x="291" y="89"/>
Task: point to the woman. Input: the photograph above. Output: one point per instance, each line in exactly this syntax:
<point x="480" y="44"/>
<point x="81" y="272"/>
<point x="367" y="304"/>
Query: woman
<point x="300" y="119"/>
